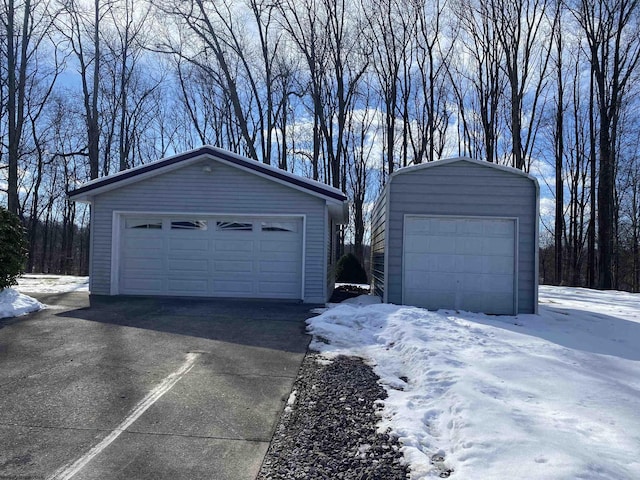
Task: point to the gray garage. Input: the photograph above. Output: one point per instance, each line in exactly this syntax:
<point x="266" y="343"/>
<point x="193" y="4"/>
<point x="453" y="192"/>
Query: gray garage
<point x="210" y="223"/>
<point x="457" y="234"/>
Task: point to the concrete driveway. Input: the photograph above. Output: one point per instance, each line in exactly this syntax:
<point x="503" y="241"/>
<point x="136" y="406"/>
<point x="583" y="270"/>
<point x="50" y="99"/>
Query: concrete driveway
<point x="140" y="388"/>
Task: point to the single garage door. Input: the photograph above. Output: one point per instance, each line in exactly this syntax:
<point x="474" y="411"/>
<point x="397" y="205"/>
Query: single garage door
<point x="211" y="256"/>
<point x="460" y="263"/>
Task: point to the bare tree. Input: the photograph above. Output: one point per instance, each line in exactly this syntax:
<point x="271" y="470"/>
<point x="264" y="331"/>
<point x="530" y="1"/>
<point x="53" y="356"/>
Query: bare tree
<point x="391" y="29"/>
<point x="523" y="28"/>
<point x="610" y="29"/>
<point x="484" y="72"/>
<point x="27" y="28"/>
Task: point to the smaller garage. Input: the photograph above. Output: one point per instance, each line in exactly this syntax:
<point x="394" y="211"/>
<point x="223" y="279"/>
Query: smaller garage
<point x="457" y="234"/>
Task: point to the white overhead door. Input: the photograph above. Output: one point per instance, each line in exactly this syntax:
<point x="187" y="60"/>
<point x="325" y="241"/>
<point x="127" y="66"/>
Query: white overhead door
<point x="212" y="256"/>
<point x="460" y="263"/>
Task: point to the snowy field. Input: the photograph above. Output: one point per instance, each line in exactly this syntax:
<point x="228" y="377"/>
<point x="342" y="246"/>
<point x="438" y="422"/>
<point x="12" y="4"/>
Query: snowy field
<point x="16" y="301"/>
<point x="548" y="396"/>
<point x="43" y="283"/>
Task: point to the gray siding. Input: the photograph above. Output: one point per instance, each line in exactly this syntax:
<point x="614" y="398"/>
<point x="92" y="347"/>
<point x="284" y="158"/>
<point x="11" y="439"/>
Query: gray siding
<point x="225" y="190"/>
<point x="378" y="237"/>
<point x="331" y="256"/>
<point x="464" y="189"/>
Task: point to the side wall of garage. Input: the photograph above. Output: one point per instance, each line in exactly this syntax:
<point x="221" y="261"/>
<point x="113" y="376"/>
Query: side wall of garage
<point x="464" y="189"/>
<point x="218" y="189"/>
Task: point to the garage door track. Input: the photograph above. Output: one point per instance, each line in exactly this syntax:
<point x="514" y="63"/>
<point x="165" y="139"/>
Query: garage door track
<point x="142" y="388"/>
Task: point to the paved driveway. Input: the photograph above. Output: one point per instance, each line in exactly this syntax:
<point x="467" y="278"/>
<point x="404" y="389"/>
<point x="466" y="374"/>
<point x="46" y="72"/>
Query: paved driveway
<point x="142" y="388"/>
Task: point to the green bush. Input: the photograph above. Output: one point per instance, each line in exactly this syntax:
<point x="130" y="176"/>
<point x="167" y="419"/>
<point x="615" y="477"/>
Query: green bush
<point x="349" y="270"/>
<point x="13" y="248"/>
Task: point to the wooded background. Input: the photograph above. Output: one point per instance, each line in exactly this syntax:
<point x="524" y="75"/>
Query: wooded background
<point x="342" y="92"/>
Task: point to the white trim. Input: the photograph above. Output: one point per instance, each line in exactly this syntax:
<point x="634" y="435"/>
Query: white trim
<point x="116" y="240"/>
<point x="118" y="216"/>
<point x="91" y="238"/>
<point x="516" y="245"/>
<point x="304" y="257"/>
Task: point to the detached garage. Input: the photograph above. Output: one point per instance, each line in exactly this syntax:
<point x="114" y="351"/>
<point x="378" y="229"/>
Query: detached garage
<point x="211" y="223"/>
<point x="458" y="234"/>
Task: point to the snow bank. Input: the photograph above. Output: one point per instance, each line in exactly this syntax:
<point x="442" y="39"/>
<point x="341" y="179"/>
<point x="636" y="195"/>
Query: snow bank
<point x="554" y="395"/>
<point x="14" y="303"/>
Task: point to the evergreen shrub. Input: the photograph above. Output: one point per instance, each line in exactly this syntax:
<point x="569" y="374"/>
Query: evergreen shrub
<point x="349" y="270"/>
<point x="13" y="248"/>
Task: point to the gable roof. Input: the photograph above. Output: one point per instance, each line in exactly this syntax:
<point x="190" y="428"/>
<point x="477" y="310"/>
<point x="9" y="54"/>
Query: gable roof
<point x="88" y="190"/>
<point x="448" y="161"/>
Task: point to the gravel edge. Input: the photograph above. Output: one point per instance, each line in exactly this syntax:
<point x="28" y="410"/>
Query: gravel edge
<point x="328" y="427"/>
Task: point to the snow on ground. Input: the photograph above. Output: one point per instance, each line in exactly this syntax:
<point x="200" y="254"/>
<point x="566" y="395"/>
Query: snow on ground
<point x="548" y="396"/>
<point x="45" y="283"/>
<point x="14" y="303"/>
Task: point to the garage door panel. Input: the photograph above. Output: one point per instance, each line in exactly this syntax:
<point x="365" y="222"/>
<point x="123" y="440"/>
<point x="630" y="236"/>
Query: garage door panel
<point x="443" y="226"/>
<point x="470" y="264"/>
<point x="235" y="288"/>
<point x="284" y="244"/>
<point x="498" y="283"/>
<point x="142" y="284"/>
<point x="462" y="263"/>
<point x="187" y="266"/>
<point x="445" y="263"/>
<point x="235" y="246"/>
<point x="410" y="243"/>
<point x="472" y="283"/>
<point x="143" y="243"/>
<point x="499" y="229"/>
<point x="289" y="257"/>
<point x="498" y="265"/>
<point x="441" y="282"/>
<point x="266" y="277"/>
<point x="278" y="267"/>
<point x="187" y="286"/>
<point x="471" y="228"/>
<point x="467" y="245"/>
<point x="230" y="266"/>
<point x="235" y="256"/>
<point x="498" y="246"/>
<point x="178" y="244"/>
<point x="186" y="254"/>
<point x="270" y="287"/>
<point x="143" y="266"/>
<point x="440" y="245"/>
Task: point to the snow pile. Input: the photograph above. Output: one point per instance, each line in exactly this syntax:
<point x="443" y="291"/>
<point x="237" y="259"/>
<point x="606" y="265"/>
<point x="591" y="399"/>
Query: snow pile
<point x="554" y="395"/>
<point x="43" y="283"/>
<point x="14" y="303"/>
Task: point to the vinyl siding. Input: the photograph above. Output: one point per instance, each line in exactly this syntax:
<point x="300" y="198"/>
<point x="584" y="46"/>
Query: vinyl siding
<point x="225" y="190"/>
<point x="378" y="236"/>
<point x="464" y="189"/>
<point x="331" y="255"/>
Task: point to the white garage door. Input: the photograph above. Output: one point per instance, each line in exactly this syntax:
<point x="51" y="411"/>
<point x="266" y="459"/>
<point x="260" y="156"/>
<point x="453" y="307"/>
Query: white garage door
<point x="211" y="256"/>
<point x="460" y="263"/>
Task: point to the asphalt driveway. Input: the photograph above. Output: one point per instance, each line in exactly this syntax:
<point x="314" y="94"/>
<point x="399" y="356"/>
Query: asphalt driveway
<point x="139" y="388"/>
